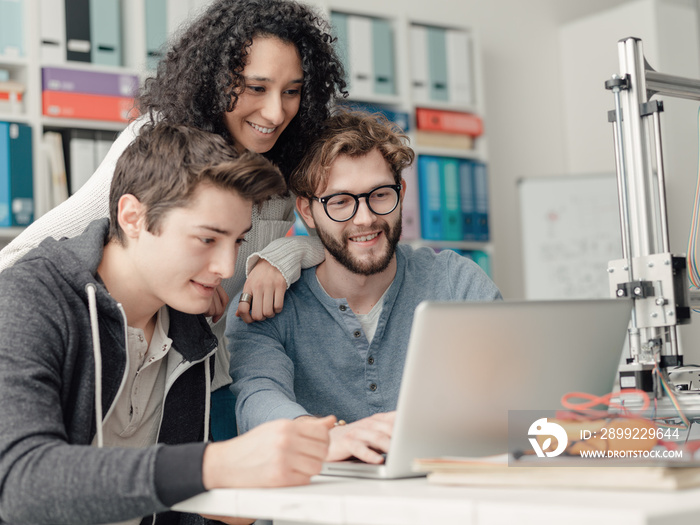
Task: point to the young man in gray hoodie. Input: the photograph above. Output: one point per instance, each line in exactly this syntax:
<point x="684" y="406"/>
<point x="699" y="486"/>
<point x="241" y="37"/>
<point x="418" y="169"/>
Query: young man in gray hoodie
<point x="106" y="359"/>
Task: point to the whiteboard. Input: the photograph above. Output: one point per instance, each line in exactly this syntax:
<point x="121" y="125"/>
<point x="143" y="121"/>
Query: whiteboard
<point x="570" y="230"/>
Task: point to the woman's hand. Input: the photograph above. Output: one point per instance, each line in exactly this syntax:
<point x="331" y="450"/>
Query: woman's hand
<point x="267" y="286"/>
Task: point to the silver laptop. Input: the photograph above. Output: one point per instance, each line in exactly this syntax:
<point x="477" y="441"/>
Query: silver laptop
<point x="468" y="364"/>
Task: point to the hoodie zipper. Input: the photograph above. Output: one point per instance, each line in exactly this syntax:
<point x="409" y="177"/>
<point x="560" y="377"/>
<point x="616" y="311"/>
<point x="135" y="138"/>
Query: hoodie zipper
<point x="179" y="370"/>
<point x="126" y="365"/>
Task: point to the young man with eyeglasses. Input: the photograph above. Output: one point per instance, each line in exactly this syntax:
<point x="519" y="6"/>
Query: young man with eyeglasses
<point x="339" y="345"/>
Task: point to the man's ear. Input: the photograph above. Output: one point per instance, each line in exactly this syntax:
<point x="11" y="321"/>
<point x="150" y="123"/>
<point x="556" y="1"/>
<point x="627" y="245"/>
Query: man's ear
<point x="403" y="190"/>
<point x="131" y="216"/>
<point x="304" y="208"/>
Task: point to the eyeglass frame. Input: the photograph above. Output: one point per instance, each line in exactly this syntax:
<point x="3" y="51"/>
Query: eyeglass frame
<point x="324" y="200"/>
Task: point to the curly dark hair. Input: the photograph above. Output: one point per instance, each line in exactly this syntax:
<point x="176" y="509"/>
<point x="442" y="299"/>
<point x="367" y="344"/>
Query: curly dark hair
<point x="197" y="81"/>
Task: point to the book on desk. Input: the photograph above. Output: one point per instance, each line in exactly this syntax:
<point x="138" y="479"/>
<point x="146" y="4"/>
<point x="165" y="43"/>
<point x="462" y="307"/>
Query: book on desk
<point x="567" y="472"/>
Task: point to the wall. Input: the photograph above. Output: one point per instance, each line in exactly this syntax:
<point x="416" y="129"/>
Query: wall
<point x="670" y="39"/>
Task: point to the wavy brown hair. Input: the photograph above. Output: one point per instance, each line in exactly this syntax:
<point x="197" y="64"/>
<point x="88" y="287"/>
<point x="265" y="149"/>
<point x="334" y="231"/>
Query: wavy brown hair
<point x="199" y="78"/>
<point x="352" y="133"/>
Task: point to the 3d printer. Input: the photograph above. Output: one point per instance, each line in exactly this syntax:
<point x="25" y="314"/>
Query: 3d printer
<point x="648" y="273"/>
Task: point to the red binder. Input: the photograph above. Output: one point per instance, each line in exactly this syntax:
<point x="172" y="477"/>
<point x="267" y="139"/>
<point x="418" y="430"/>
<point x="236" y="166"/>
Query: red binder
<point x="80" y="105"/>
<point x="449" y="121"/>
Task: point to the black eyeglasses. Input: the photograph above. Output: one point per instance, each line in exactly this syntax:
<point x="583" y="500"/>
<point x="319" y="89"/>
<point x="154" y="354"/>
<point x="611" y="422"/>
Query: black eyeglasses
<point x="341" y="207"/>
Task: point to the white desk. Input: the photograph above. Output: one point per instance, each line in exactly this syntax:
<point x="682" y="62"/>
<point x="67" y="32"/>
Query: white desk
<point x="331" y="500"/>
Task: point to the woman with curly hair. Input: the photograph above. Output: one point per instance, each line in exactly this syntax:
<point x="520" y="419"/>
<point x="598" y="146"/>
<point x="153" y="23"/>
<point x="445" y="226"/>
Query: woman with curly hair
<point x="263" y="74"/>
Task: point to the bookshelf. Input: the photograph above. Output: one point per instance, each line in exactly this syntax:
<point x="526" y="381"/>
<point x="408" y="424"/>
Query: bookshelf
<point x="393" y="88"/>
<point x="134" y="48"/>
<point x="382" y="51"/>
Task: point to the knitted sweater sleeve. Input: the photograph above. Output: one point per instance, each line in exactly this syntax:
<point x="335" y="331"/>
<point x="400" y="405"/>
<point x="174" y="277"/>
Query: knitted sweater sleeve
<point x="290" y="255"/>
<point x="70" y="218"/>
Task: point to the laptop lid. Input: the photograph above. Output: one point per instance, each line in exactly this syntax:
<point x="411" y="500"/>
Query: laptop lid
<point x="469" y="363"/>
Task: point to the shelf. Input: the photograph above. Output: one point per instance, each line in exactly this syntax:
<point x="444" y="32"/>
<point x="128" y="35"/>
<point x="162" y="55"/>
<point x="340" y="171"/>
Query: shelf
<point x="107" y="125"/>
<point x="382" y="100"/>
<point x="457" y="245"/>
<point x="8" y="61"/>
<point x="444" y="106"/>
<point x="14" y="117"/>
<point x="473" y="154"/>
<point x="91" y="66"/>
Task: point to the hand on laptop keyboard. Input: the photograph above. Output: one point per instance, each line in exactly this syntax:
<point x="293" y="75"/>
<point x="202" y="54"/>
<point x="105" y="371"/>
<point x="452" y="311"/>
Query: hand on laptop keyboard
<point x="366" y="439"/>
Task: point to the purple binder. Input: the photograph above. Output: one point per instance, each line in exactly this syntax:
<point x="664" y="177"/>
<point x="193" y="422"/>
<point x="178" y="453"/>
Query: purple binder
<point x="91" y="82"/>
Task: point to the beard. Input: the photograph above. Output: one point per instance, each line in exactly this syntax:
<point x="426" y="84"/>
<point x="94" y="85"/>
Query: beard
<point x="340" y="252"/>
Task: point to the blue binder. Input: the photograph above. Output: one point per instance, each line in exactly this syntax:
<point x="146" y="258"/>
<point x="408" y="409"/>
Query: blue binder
<point x="156" y="31"/>
<point x="481" y="258"/>
<point x="450" y="199"/>
<point x="429" y="197"/>
<point x="16" y="183"/>
<point x="400" y="118"/>
<point x="105" y="32"/>
<point x="437" y="64"/>
<point x="481" y="194"/>
<point x="467" y="200"/>
<point x="339" y="23"/>
<point x="11" y="28"/>
<point x="5" y="219"/>
<point x="383" y="49"/>
<point x="299" y="226"/>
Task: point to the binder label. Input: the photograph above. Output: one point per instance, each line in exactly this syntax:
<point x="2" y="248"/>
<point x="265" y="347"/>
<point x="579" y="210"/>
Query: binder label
<point x="78" y="46"/>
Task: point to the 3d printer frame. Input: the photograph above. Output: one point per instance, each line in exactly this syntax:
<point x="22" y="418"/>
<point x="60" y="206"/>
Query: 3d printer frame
<point x="649" y="274"/>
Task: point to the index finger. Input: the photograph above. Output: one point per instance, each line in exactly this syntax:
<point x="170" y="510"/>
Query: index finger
<point x="243" y="311"/>
<point x="386" y="416"/>
<point x="220" y="301"/>
<point x="316" y="428"/>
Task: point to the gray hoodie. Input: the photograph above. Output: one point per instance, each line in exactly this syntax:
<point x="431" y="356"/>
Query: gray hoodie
<point x="49" y="472"/>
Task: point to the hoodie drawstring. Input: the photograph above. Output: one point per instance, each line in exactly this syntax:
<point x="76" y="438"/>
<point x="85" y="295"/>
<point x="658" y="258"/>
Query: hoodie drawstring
<point x="91" y="289"/>
<point x="207" y="398"/>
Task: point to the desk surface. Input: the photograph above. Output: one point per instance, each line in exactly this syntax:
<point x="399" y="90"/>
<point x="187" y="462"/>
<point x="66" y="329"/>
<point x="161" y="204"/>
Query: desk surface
<point x="333" y="500"/>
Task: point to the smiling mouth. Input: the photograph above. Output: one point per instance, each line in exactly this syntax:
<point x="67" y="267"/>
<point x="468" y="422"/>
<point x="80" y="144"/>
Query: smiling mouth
<point x="364" y="238"/>
<point x="208" y="288"/>
<point x="265" y="131"/>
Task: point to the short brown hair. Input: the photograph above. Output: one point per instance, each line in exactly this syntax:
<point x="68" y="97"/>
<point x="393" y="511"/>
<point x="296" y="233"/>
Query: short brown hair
<point x="164" y="165"/>
<point x="352" y="133"/>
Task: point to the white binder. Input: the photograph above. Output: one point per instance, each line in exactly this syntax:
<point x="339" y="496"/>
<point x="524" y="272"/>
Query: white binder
<point x="82" y="158"/>
<point x="459" y="67"/>
<point x="419" y="63"/>
<point x="53" y="32"/>
<point x="361" y="56"/>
